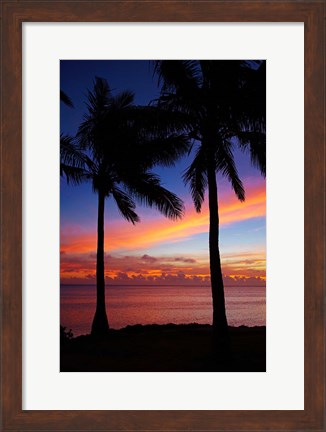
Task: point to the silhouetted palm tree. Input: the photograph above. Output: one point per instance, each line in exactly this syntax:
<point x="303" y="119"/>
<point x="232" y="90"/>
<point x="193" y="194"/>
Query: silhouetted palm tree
<point x="116" y="146"/>
<point x="225" y="105"/>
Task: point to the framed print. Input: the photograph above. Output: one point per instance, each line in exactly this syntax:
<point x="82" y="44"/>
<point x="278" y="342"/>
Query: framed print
<point x="150" y="347"/>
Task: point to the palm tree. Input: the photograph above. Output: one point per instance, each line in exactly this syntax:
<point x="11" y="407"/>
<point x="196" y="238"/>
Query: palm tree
<point x="116" y="146"/>
<point x="225" y="105"/>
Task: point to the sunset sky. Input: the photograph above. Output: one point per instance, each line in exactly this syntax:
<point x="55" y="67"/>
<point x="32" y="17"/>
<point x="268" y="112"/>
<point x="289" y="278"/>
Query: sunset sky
<point x="155" y="251"/>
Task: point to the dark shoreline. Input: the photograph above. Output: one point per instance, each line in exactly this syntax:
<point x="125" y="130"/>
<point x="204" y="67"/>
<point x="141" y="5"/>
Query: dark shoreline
<point x="166" y="348"/>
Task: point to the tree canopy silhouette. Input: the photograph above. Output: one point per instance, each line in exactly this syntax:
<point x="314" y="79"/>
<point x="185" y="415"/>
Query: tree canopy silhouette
<point x="116" y="146"/>
<point x="224" y="102"/>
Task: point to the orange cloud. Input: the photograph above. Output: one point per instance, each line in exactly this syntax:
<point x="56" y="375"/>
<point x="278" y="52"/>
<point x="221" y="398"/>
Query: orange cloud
<point x="123" y="235"/>
<point x="146" y="268"/>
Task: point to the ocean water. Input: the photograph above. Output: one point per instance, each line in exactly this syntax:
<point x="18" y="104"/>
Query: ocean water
<point x="129" y="305"/>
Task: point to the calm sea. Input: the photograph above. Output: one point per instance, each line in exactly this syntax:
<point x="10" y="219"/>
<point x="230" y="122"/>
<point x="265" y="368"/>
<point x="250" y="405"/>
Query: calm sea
<point x="128" y="305"/>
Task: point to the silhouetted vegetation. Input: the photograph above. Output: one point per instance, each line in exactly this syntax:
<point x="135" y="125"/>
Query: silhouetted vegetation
<point x="225" y="103"/>
<point x="115" y="148"/>
<point x="166" y="348"/>
<point x="65" y="335"/>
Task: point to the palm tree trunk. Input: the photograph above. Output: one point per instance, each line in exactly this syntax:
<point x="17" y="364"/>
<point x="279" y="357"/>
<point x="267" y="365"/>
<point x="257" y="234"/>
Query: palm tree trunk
<point x="220" y="324"/>
<point x="100" y="324"/>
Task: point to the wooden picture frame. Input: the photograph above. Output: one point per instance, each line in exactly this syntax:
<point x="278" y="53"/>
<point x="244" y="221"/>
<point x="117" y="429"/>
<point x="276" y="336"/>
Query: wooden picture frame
<point x="14" y="13"/>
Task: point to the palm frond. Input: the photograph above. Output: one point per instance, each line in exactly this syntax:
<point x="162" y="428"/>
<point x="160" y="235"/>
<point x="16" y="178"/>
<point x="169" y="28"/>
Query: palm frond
<point x="75" y="165"/>
<point x="178" y="75"/>
<point x="255" y="143"/>
<point x="93" y="131"/>
<point x="256" y="87"/>
<point x="66" y="99"/>
<point x="163" y="151"/>
<point x="226" y="166"/>
<point x="159" y="120"/>
<point x="196" y="177"/>
<point x="70" y="154"/>
<point x="147" y="190"/>
<point x="73" y="175"/>
<point x="98" y="99"/>
<point x="125" y="205"/>
<point x="249" y="110"/>
<point x="122" y="100"/>
<point x="188" y="104"/>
